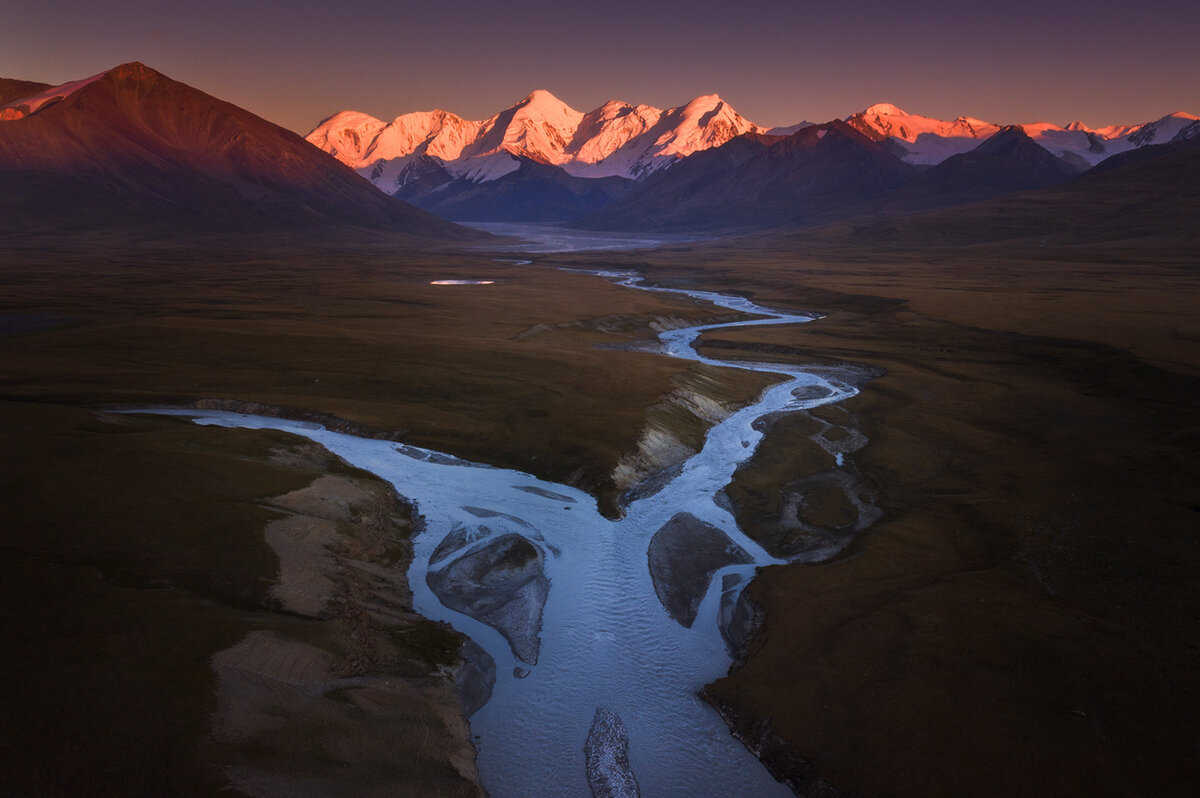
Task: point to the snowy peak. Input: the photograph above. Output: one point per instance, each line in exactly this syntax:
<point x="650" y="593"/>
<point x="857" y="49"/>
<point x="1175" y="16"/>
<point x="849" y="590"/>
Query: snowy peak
<point x="347" y="135"/>
<point x="608" y="128"/>
<point x="544" y="103"/>
<point x="703" y="104"/>
<point x="616" y="139"/>
<point x="884" y="109"/>
<point x="621" y="139"/>
<point x="539" y="127"/>
<point x="705" y="122"/>
<point x="928" y="141"/>
<point x="1161" y="130"/>
<point x="360" y="140"/>
<point x="1192" y="131"/>
<point x="888" y="120"/>
<point x="438" y="133"/>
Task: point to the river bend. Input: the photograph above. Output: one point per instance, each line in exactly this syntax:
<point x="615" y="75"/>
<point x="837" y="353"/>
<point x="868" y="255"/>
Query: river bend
<point x="566" y="604"/>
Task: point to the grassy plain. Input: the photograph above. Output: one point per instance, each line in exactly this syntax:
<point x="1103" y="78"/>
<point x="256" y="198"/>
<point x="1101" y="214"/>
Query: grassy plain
<point x="509" y="373"/>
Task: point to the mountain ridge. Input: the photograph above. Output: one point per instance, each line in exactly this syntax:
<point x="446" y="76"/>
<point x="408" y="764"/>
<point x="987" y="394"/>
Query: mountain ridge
<point x="130" y="148"/>
<point x="616" y="139"/>
<point x="929" y="141"/>
<point x="760" y="181"/>
<point x="635" y="141"/>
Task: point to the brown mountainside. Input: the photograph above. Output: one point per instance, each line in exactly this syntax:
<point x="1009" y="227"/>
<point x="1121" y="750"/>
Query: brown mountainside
<point x="12" y="90"/>
<point x="1149" y="196"/>
<point x="136" y="149"/>
<point x="818" y="174"/>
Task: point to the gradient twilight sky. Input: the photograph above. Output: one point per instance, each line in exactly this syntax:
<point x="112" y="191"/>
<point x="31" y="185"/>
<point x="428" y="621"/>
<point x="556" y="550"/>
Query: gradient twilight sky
<point x="775" y="61"/>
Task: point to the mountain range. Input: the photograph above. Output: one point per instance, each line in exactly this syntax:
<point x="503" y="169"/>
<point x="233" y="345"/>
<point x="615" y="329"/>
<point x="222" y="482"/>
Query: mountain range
<point x="131" y="150"/>
<point x="624" y="166"/>
<point x="632" y="141"/>
<point x="616" y="139"/>
<point x="924" y="140"/>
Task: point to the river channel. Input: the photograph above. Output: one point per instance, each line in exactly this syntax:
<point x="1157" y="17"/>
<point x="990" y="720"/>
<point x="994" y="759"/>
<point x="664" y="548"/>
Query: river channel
<point x="602" y="631"/>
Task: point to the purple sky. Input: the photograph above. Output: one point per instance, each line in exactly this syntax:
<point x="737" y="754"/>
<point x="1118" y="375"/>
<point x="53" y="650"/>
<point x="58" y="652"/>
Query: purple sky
<point x="775" y="61"/>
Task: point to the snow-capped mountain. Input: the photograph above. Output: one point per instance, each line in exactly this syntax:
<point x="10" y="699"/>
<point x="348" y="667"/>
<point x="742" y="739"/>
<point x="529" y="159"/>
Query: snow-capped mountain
<point x="930" y="141"/>
<point x="888" y="120"/>
<point x="1190" y="132"/>
<point x="615" y="140"/>
<point x="1162" y="130"/>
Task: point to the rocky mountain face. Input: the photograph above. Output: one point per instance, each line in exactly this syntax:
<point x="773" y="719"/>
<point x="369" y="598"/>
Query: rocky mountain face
<point x="132" y="149"/>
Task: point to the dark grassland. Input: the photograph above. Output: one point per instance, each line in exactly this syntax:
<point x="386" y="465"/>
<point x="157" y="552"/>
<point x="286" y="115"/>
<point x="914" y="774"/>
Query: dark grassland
<point x="507" y="373"/>
<point x="133" y="553"/>
<point x="1022" y="621"/>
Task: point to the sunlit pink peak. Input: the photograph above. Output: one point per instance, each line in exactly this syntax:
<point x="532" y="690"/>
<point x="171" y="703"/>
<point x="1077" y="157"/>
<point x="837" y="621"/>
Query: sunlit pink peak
<point x="1078" y="126"/>
<point x="618" y="138"/>
<point x="616" y="109"/>
<point x="540" y="98"/>
<point x="884" y="109"/>
<point x="352" y="118"/>
<point x="348" y="135"/>
<point x="538" y="127"/>
<point x="888" y="120"/>
<point x="545" y="107"/>
<point x="613" y="107"/>
<point x="703" y="104"/>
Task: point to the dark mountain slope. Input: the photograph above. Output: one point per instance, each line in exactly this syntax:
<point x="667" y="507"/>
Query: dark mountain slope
<point x="136" y="150"/>
<point x="820" y="173"/>
<point x="1004" y="163"/>
<point x="535" y="192"/>
<point x="1149" y="196"/>
<point x="12" y="90"/>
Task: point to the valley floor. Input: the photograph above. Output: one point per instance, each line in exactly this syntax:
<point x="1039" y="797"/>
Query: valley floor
<point x="1021" y="620"/>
